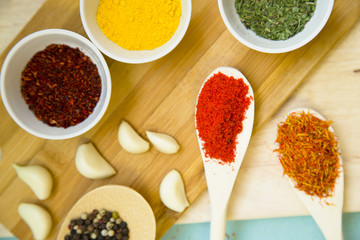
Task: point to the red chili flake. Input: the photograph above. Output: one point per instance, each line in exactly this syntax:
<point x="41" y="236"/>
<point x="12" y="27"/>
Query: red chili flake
<point x="220" y="111"/>
<point x="61" y="85"/>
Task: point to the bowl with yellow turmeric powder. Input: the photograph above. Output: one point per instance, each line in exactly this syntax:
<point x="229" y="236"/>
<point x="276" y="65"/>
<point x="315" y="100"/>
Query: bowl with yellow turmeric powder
<point x="135" y="31"/>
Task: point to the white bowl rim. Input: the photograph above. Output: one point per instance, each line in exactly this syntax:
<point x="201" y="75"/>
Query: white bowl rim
<point x="41" y="33"/>
<point x="276" y="50"/>
<point x="136" y="61"/>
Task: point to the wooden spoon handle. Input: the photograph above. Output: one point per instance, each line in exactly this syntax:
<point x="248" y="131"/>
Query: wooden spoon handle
<point x="218" y="222"/>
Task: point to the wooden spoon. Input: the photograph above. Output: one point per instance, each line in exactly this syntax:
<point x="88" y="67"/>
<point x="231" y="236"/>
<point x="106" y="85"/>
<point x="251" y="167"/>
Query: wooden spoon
<point x="327" y="212"/>
<point x="130" y="205"/>
<point x="220" y="178"/>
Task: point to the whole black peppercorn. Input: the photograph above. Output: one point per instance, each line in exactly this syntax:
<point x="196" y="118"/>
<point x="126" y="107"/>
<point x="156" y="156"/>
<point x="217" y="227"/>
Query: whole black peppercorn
<point x="108" y="214"/>
<point x="67" y="237"/>
<point x="83" y="228"/>
<point x="90" y="228"/>
<point x="103" y="226"/>
<point x="91" y="216"/>
<point x="116" y="227"/>
<point x="119" y="236"/>
<point x="96" y="225"/>
<point x="125" y="237"/>
<point x="125" y="231"/>
<point x="123" y="224"/>
<point x="79" y="221"/>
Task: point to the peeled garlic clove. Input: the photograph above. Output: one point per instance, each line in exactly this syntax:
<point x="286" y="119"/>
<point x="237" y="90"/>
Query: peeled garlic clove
<point x="37" y="218"/>
<point x="172" y="192"/>
<point x="37" y="178"/>
<point x="162" y="142"/>
<point x="91" y="164"/>
<point x="130" y="140"/>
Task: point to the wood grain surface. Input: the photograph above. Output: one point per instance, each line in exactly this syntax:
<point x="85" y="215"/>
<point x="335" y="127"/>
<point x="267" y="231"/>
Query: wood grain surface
<point x="158" y="96"/>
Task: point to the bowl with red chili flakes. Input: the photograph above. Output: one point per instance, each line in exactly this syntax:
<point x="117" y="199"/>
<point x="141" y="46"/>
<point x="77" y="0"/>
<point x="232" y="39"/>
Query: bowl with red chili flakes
<point x="55" y="84"/>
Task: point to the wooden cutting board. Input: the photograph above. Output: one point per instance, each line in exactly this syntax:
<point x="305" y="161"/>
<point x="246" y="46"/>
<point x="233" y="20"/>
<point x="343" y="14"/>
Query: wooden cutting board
<point x="158" y="96"/>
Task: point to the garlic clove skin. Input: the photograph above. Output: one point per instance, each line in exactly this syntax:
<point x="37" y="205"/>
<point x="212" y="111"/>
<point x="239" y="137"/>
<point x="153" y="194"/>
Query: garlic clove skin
<point x="163" y="142"/>
<point x="130" y="140"/>
<point x="172" y="192"/>
<point x="37" y="178"/>
<point x="91" y="164"/>
<point x="37" y="218"/>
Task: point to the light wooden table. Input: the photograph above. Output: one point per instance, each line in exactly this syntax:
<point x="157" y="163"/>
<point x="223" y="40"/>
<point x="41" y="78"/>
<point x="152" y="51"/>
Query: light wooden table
<point x="333" y="89"/>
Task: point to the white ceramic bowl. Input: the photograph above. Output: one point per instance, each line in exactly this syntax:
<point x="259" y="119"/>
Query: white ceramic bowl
<point x="88" y="9"/>
<point x="250" y="39"/>
<point x="15" y="63"/>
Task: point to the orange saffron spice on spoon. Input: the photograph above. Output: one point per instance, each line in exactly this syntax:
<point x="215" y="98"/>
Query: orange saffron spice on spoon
<point x="309" y="153"/>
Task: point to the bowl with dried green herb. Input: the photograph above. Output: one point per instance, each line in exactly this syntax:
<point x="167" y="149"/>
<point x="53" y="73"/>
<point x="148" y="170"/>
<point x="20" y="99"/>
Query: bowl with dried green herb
<point x="275" y="26"/>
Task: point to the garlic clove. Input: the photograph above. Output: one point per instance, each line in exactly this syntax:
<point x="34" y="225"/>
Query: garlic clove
<point x="130" y="140"/>
<point x="37" y="178"/>
<point x="172" y="192"/>
<point x="37" y="218"/>
<point x="162" y="142"/>
<point x="91" y="164"/>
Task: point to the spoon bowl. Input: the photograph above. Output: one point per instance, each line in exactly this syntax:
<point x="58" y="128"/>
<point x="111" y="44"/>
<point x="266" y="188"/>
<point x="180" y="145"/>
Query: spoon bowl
<point x="327" y="212"/>
<point x="130" y="205"/>
<point x="220" y="177"/>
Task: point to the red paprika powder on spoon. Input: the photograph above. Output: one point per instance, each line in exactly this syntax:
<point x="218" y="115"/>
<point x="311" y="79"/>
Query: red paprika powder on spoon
<point x="220" y="111"/>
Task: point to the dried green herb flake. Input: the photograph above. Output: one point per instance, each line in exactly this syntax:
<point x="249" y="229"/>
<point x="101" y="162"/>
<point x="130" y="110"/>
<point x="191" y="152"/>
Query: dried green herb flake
<point x="275" y="19"/>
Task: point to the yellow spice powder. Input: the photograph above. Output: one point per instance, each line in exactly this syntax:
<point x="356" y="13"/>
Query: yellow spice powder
<point x="139" y="24"/>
